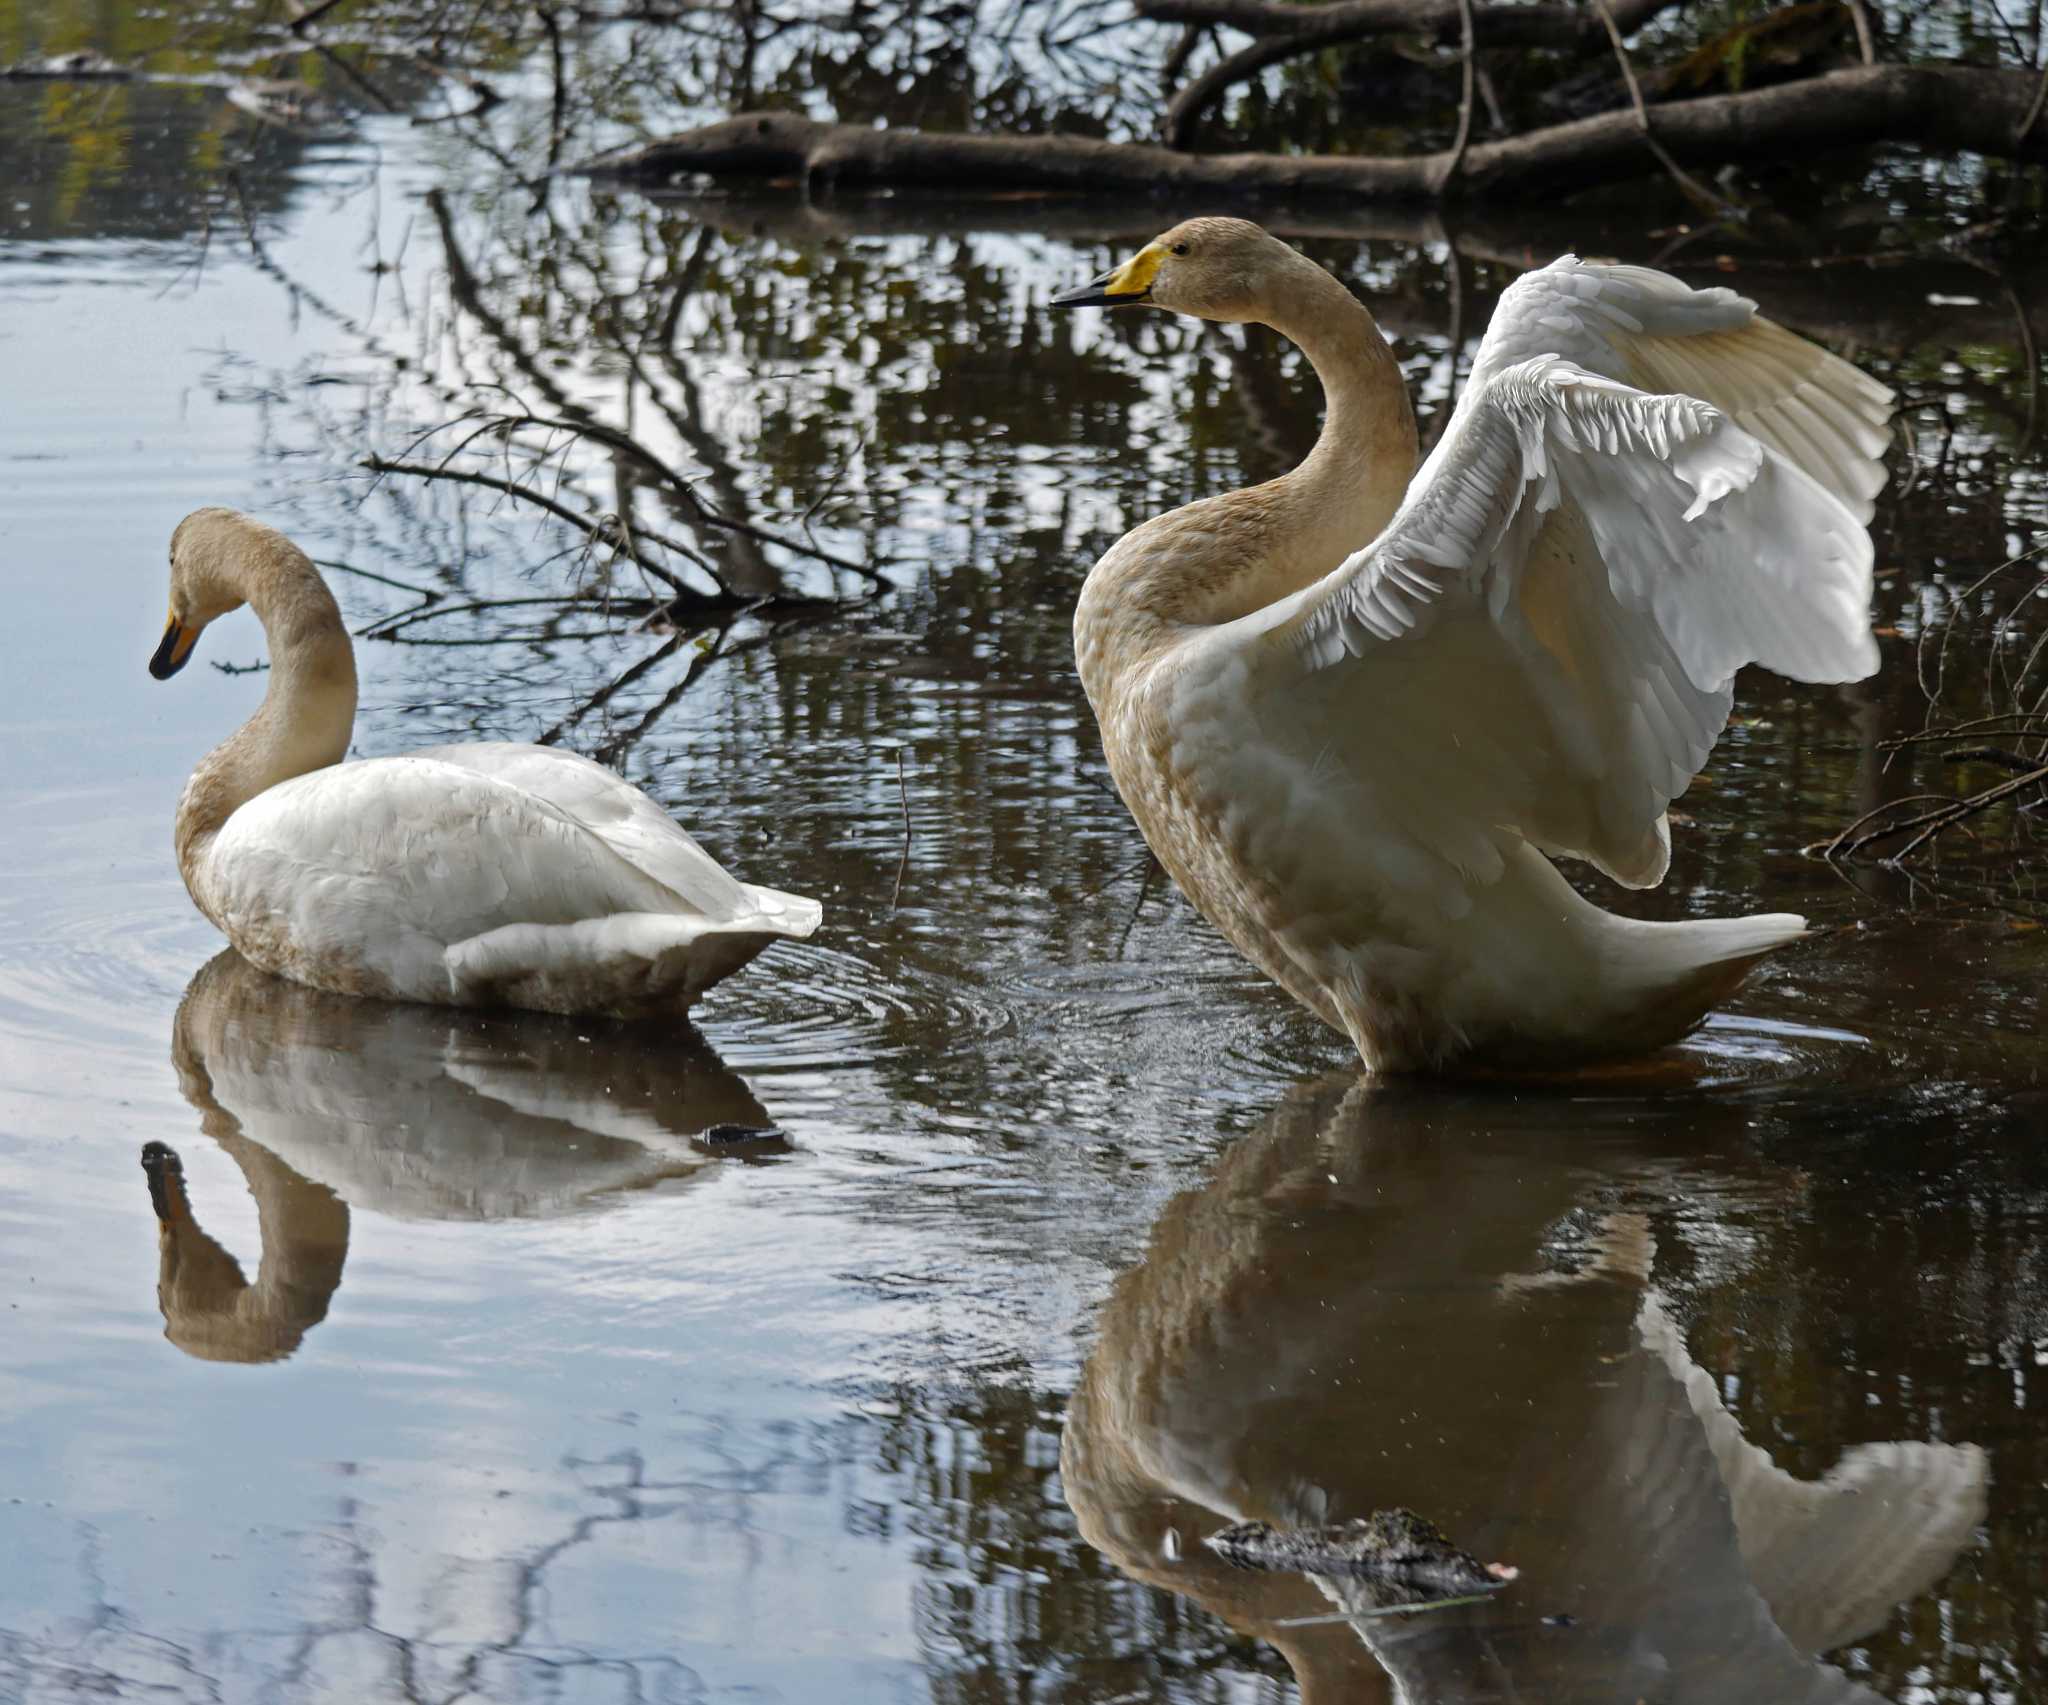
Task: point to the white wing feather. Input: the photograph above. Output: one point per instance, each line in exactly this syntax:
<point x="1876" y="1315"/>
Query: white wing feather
<point x="1657" y="333"/>
<point x="1541" y="645"/>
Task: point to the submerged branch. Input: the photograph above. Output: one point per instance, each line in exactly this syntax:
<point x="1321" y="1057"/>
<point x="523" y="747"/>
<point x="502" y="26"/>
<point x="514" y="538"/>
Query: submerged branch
<point x="606" y="531"/>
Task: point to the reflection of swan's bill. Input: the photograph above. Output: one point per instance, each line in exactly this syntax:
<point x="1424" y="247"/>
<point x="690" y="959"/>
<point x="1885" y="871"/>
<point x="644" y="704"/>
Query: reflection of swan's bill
<point x="428" y="1112"/>
<point x="1343" y="1319"/>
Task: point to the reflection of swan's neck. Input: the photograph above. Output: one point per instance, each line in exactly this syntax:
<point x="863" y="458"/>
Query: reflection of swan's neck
<point x="210" y="1310"/>
<point x="309" y="709"/>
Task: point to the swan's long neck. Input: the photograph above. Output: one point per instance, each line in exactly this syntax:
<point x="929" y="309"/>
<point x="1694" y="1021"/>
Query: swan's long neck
<point x="1222" y="558"/>
<point x="307" y="713"/>
<point x="1348" y="488"/>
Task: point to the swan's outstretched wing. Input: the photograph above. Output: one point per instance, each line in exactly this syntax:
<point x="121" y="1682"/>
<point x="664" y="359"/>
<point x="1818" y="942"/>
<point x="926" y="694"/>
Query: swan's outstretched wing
<point x="1650" y="330"/>
<point x="1540" y="646"/>
<point x="631" y="824"/>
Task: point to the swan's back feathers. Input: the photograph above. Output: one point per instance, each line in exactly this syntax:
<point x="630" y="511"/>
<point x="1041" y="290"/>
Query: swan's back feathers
<point x="612" y="809"/>
<point x="425" y="878"/>
<point x="637" y="829"/>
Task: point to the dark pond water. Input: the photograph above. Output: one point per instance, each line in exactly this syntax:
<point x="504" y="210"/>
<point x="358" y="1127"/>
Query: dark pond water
<point x="473" y="1374"/>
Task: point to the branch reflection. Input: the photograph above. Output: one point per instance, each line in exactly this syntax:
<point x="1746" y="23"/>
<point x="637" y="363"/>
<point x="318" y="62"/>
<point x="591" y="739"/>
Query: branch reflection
<point x="328" y="1104"/>
<point x="1355" y="1313"/>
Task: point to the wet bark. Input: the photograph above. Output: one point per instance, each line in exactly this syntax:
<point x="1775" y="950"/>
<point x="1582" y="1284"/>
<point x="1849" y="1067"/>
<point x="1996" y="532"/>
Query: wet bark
<point x="1943" y="107"/>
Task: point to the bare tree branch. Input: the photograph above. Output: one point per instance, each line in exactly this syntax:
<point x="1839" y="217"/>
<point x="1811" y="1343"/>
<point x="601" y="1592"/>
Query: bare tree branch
<point x="1282" y="31"/>
<point x="1468" y="81"/>
<point x="1679" y="175"/>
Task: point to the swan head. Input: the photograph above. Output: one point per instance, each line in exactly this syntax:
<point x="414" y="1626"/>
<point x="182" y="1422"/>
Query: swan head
<point x="1214" y="269"/>
<point x="217" y="557"/>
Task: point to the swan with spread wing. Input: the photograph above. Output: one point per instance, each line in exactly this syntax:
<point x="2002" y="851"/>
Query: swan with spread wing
<point x="1356" y="710"/>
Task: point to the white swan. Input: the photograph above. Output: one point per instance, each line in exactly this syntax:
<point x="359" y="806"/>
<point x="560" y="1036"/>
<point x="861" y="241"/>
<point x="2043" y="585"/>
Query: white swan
<point x="473" y="875"/>
<point x="1352" y="709"/>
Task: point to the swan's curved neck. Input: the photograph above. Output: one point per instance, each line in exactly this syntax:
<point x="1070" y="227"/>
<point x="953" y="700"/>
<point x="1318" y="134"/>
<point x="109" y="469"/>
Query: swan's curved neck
<point x="1220" y="559"/>
<point x="307" y="713"/>
<point x="1348" y="488"/>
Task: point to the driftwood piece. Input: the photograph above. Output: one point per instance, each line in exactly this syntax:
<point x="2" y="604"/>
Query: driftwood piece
<point x="1939" y="106"/>
<point x="1281" y="30"/>
<point x="1396" y="1546"/>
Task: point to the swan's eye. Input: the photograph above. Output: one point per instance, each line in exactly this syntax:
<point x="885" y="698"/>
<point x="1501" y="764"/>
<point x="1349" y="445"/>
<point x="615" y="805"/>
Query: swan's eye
<point x="1180" y="248"/>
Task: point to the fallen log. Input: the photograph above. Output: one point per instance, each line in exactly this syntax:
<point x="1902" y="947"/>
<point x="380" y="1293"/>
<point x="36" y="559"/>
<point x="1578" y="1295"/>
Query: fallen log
<point x="1938" y="106"/>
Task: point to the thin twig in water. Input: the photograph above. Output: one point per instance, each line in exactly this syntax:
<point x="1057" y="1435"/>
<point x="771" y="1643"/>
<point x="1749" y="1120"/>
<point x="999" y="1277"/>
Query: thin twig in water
<point x="832" y="481"/>
<point x="303" y="20"/>
<point x="1679" y="175"/>
<point x="1144" y="894"/>
<point x="903" y="858"/>
<point x="1455" y="163"/>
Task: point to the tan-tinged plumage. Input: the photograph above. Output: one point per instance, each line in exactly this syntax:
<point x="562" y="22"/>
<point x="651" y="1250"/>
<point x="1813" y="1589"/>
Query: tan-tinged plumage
<point x="1353" y="709"/>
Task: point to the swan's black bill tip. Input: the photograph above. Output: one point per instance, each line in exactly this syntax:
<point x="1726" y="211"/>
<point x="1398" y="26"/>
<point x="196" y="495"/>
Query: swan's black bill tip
<point x="1097" y="294"/>
<point x="172" y="650"/>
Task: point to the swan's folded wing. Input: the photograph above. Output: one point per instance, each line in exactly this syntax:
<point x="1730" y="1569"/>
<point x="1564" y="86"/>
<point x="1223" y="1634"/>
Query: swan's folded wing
<point x="1542" y="643"/>
<point x="634" y="827"/>
<point x="409" y="855"/>
<point x="1657" y="333"/>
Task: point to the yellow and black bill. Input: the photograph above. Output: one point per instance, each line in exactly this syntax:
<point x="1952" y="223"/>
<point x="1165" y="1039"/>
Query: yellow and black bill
<point x="1126" y="286"/>
<point x="174" y="649"/>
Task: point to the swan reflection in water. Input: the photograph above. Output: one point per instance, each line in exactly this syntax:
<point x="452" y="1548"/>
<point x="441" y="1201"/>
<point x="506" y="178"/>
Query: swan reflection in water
<point x="1353" y="1315"/>
<point x="328" y="1103"/>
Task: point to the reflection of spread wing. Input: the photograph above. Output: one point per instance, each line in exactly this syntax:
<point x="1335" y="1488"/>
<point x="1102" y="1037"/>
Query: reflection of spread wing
<point x="1834" y="1556"/>
<point x="1685" y="1622"/>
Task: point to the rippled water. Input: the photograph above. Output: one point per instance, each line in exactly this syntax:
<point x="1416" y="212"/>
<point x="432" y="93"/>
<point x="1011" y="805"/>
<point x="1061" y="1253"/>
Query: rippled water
<point x="466" y="1366"/>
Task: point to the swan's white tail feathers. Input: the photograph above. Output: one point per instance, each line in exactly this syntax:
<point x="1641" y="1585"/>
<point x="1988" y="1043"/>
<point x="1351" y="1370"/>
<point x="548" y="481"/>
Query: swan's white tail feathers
<point x="629" y="964"/>
<point x="1675" y="974"/>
